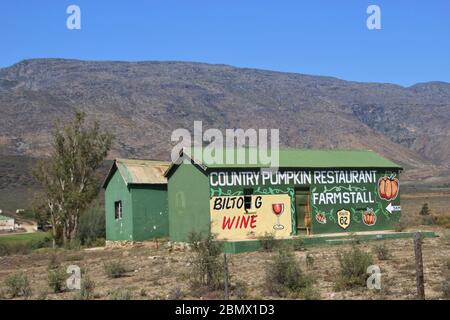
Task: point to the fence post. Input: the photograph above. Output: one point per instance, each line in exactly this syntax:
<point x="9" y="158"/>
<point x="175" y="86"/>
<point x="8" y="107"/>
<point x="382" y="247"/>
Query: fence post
<point x="225" y="269"/>
<point x="419" y="266"/>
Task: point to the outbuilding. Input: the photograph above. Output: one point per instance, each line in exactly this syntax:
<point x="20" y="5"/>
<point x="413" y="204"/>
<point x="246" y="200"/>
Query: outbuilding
<point x="136" y="200"/>
<point x="7" y="223"/>
<point x="314" y="192"/>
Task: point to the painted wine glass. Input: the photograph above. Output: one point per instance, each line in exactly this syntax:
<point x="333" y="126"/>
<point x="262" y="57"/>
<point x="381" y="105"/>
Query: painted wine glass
<point x="278" y="209"/>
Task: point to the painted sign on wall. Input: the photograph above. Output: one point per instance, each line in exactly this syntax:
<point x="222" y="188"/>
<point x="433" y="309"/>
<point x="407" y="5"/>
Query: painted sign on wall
<point x="240" y="217"/>
<point x="340" y="200"/>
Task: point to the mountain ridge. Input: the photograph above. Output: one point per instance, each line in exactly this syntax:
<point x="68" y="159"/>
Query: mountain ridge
<point x="143" y="102"/>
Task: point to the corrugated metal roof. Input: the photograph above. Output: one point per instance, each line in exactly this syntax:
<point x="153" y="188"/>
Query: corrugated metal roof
<point x="300" y="158"/>
<point x="135" y="171"/>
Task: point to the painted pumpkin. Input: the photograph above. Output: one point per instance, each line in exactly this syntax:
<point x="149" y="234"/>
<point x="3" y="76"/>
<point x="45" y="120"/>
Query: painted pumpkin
<point x="388" y="187"/>
<point x="320" y="217"/>
<point x="369" y="218"/>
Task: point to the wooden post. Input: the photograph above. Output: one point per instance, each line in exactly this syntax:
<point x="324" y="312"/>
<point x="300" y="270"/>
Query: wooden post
<point x="225" y="269"/>
<point x="419" y="266"/>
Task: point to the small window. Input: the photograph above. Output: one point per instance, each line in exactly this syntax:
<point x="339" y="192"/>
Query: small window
<point x="118" y="210"/>
<point x="248" y="199"/>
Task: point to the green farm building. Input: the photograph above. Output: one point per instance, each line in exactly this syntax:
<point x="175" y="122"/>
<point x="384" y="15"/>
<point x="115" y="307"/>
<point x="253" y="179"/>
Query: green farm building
<point x="136" y="200"/>
<point x="313" y="192"/>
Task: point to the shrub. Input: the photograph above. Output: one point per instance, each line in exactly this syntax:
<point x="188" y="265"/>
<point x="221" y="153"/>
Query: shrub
<point x="56" y="279"/>
<point x="7" y="249"/>
<point x="41" y="243"/>
<point x="175" y="294"/>
<point x="74" y="257"/>
<point x="443" y="221"/>
<point x="207" y="263"/>
<point x="405" y="222"/>
<point x="120" y="294"/>
<point x="353" y="268"/>
<point x="428" y="220"/>
<point x="143" y="293"/>
<point x="382" y="252"/>
<point x="115" y="269"/>
<point x="446" y="287"/>
<point x="53" y="263"/>
<point x="92" y="225"/>
<point x="298" y="245"/>
<point x="425" y="211"/>
<point x="268" y="242"/>
<point x="18" y="285"/>
<point x="87" y="288"/>
<point x="309" y="261"/>
<point x="240" y="290"/>
<point x="75" y="245"/>
<point x="284" y="276"/>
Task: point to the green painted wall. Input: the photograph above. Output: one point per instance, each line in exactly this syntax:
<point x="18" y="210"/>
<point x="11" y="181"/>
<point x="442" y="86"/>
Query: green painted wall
<point x="144" y="212"/>
<point x="150" y="212"/>
<point x="384" y="219"/>
<point x="188" y="191"/>
<point x="117" y="190"/>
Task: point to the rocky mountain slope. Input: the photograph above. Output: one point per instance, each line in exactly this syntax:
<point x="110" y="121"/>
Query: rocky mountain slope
<point x="143" y="102"/>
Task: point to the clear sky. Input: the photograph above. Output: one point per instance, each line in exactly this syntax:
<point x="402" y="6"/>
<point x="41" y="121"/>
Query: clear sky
<point x="314" y="37"/>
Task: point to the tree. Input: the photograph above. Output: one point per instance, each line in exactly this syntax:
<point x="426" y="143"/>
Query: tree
<point x="69" y="178"/>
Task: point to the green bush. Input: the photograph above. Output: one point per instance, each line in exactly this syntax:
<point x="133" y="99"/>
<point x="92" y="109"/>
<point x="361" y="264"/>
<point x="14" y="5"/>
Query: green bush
<point x="284" y="276"/>
<point x="74" y="245"/>
<point x="53" y="262"/>
<point x="57" y="279"/>
<point x="382" y="252"/>
<point x="120" y="294"/>
<point x="298" y="245"/>
<point x="207" y="263"/>
<point x="92" y="225"/>
<point x="7" y="248"/>
<point x="309" y="261"/>
<point x="240" y="290"/>
<point x="353" y="268"/>
<point x="428" y="220"/>
<point x="268" y="242"/>
<point x="18" y="285"/>
<point x="115" y="269"/>
<point x="446" y="287"/>
<point x="175" y="294"/>
<point x="425" y="211"/>
<point x="443" y="221"/>
<point x="87" y="288"/>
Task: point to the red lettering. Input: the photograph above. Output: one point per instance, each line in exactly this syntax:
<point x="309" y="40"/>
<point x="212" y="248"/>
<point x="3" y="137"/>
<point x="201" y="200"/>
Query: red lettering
<point x="227" y="222"/>
<point x="244" y="222"/>
<point x="240" y="222"/>
<point x="253" y="222"/>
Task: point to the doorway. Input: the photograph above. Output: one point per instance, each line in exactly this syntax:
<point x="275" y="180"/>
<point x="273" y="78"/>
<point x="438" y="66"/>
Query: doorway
<point x="303" y="210"/>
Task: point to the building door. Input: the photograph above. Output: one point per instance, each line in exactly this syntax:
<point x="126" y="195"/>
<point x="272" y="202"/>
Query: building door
<point x="303" y="210"/>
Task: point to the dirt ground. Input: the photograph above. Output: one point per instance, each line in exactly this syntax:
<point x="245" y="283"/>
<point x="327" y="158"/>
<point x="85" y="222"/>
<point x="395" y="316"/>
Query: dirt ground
<point x="162" y="273"/>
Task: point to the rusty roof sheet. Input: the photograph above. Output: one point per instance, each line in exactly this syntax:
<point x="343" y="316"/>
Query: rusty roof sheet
<point x="135" y="171"/>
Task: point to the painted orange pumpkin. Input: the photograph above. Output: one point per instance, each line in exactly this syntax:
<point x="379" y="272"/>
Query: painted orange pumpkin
<point x="369" y="218"/>
<point x="388" y="187"/>
<point x="320" y="217"/>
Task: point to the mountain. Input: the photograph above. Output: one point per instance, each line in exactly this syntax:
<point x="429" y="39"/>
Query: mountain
<point x="143" y="102"/>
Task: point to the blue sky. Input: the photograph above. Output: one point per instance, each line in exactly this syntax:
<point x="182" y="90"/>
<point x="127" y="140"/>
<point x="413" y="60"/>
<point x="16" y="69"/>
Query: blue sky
<point x="313" y="37"/>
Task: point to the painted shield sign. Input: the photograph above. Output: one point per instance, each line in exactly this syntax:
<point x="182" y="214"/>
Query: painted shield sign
<point x="343" y="218"/>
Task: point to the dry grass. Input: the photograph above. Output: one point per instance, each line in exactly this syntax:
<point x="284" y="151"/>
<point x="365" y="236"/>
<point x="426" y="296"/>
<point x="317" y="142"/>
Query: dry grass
<point x="157" y="273"/>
